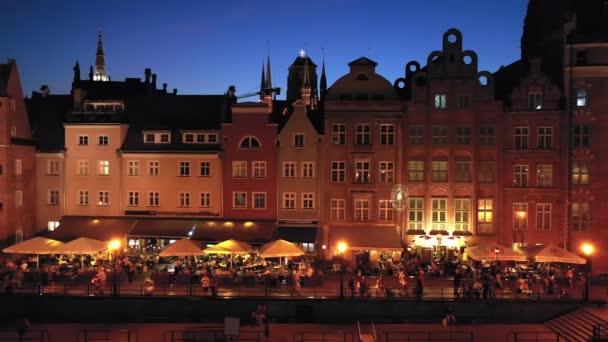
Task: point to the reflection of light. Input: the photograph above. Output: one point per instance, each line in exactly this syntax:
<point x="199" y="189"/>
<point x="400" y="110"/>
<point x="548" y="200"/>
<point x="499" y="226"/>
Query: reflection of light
<point x="248" y="224"/>
<point x="211" y="224"/>
<point x="190" y="233"/>
<point x="587" y="249"/>
<point x="323" y="246"/>
<point x="95" y="221"/>
<point x="228" y="224"/>
<point x="496" y="250"/>
<point x="171" y="241"/>
<point x="399" y="196"/>
<point x="342" y="247"/>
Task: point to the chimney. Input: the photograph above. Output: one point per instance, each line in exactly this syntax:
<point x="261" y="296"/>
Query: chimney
<point x="147" y="72"/>
<point x="165" y="87"/>
<point x="174" y="91"/>
<point x="154" y="81"/>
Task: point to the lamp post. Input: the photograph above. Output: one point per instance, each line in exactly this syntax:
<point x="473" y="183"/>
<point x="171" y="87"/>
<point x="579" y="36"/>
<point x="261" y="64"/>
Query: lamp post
<point x="588" y="250"/>
<point x="341" y="249"/>
<point x="113" y="246"/>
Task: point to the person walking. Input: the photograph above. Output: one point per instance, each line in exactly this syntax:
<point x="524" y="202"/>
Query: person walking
<point x="379" y="285"/>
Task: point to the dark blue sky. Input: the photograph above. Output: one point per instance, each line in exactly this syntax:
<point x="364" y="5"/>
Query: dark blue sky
<point x="202" y="47"/>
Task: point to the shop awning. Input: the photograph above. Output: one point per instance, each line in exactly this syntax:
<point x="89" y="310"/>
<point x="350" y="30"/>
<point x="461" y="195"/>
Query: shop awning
<point x="415" y="232"/>
<point x="298" y="234"/>
<point x="257" y="232"/>
<point x="366" y="238"/>
<point x="162" y="228"/>
<point x="98" y="228"/>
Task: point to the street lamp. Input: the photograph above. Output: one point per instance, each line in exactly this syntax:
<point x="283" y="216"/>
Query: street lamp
<point x="342" y="246"/>
<point x="588" y="250"/>
<point x="113" y="246"/>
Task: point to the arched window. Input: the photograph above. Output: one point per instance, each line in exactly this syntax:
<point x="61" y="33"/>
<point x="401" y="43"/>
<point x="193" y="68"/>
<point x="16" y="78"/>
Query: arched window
<point x="250" y="142"/>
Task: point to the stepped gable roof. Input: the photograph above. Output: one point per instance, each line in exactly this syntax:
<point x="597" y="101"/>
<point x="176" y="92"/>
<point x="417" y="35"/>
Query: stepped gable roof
<point x="176" y="114"/>
<point x="47" y="115"/>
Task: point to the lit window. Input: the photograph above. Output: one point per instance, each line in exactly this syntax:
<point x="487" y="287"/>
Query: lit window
<point x="415" y="214"/>
<point x="103" y="167"/>
<point x="439" y="171"/>
<point x="520" y="215"/>
<point x="440" y="101"/>
<point x="103" y="198"/>
<point x="250" y="142"/>
<point x="581" y="98"/>
<point x="289" y="200"/>
<point x="239" y="169"/>
<point x="338" y="210"/>
<point x="439" y="213"/>
<point x="361" y="210"/>
<point x="239" y="200"/>
<point x="52" y="225"/>
<point x="580" y="173"/>
<point x="462" y="214"/>
<point x="385" y="208"/>
<point x="485" y="207"/>
<point x="543" y="216"/>
<point x="415" y="170"/>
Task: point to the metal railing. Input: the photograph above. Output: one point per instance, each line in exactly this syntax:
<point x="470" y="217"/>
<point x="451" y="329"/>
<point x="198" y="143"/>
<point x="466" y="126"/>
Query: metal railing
<point x="30" y="336"/>
<point x="211" y="336"/>
<point x="325" y="336"/>
<point x="318" y="292"/>
<point x="600" y="331"/>
<point x="424" y="336"/>
<point x="107" y="336"/>
<point x="534" y="336"/>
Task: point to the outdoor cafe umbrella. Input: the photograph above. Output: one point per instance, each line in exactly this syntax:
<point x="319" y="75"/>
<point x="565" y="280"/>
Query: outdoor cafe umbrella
<point x="551" y="253"/>
<point x="279" y="248"/>
<point x="82" y="246"/>
<point x="182" y="248"/>
<point x="494" y="251"/>
<point x="38" y="245"/>
<point x="231" y="247"/>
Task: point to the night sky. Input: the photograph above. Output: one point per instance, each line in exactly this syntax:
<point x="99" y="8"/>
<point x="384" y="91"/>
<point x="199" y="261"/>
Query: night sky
<point x="202" y="47"/>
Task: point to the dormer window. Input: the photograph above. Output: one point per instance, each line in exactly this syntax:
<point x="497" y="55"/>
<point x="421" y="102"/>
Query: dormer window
<point x="535" y="100"/>
<point x="104" y="107"/>
<point x="200" y="138"/>
<point x="212" y="138"/>
<point x="157" y="138"/>
<point x="250" y="142"/>
<point x="189" y="138"/>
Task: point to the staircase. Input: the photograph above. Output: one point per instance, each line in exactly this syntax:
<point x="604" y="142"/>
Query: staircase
<point x="575" y="326"/>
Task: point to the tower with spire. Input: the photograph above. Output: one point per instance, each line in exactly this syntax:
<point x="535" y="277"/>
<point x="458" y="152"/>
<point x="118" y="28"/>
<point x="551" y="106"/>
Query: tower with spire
<point x="302" y="68"/>
<point x="266" y="90"/>
<point x="100" y="64"/>
<point x="323" y="82"/>
<point x="306" y="87"/>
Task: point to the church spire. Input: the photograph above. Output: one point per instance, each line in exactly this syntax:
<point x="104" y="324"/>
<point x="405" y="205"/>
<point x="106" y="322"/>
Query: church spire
<point x="263" y="82"/>
<point x="323" y="82"/>
<point x="268" y="79"/>
<point x="76" y="73"/>
<point x="306" y="89"/>
<point x="100" y="64"/>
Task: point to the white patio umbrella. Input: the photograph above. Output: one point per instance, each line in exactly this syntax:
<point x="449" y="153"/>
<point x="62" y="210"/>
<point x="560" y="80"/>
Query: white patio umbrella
<point x="82" y="246"/>
<point x="279" y="248"/>
<point x="183" y="247"/>
<point x="38" y="245"/>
